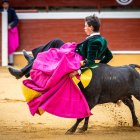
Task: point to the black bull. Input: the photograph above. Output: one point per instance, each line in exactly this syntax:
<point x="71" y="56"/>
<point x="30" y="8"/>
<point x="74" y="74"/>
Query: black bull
<point x="111" y="84"/>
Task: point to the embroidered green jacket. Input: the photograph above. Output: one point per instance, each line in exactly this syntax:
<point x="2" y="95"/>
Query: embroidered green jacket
<point x="94" y="48"/>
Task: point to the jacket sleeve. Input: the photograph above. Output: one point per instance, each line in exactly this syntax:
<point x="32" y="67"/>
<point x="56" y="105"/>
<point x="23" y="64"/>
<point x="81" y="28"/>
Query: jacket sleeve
<point x="92" y="52"/>
<point x="15" y="19"/>
<point x="107" y="56"/>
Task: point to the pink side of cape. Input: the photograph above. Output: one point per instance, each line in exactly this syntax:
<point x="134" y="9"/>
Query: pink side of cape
<point x="49" y="76"/>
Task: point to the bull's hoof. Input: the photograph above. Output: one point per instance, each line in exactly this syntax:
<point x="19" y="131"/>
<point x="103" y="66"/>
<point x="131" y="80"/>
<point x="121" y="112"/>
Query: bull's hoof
<point x="69" y="132"/>
<point x="82" y="130"/>
<point x="136" y="124"/>
<point x="119" y="103"/>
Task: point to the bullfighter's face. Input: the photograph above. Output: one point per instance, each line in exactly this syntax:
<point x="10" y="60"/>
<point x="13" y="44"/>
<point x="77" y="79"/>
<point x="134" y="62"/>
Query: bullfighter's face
<point x="88" y="29"/>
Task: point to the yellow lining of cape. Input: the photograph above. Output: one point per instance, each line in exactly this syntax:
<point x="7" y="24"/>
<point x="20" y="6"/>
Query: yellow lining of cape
<point x="85" y="78"/>
<point x="29" y="94"/>
<point x="41" y="111"/>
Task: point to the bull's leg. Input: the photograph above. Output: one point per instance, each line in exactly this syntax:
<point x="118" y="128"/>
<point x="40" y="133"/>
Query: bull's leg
<point x="85" y="126"/>
<point x="74" y="127"/>
<point x="129" y="102"/>
<point x="137" y="95"/>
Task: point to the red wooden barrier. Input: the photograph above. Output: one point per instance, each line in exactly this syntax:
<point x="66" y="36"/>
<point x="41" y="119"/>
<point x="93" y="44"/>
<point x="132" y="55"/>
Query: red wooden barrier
<point x="33" y="33"/>
<point x="122" y="34"/>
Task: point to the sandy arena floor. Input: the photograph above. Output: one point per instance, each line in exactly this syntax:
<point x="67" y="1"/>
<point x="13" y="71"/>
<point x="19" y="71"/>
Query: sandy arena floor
<point x="109" y="121"/>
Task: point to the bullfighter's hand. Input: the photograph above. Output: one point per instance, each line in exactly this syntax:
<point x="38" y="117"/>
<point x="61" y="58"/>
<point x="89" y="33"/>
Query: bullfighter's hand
<point x="82" y="63"/>
<point x="72" y="74"/>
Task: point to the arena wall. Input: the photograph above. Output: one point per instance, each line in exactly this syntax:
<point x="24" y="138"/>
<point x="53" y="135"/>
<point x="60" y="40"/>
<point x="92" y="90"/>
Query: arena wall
<point x="122" y="34"/>
<point x="121" y="29"/>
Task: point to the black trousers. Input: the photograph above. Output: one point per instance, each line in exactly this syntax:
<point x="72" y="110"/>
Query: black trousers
<point x="56" y="43"/>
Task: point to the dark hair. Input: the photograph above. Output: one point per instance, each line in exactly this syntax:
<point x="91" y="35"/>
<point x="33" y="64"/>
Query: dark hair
<point x="94" y="22"/>
<point x="3" y="1"/>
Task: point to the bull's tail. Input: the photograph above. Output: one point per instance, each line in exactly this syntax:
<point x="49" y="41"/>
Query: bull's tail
<point x="134" y="66"/>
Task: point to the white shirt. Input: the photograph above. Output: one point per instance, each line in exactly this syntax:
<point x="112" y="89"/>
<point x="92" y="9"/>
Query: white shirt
<point x="93" y="34"/>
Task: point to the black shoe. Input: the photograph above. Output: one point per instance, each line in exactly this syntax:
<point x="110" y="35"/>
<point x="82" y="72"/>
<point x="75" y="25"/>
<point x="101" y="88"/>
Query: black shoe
<point x="28" y="57"/>
<point x="27" y="75"/>
<point x="17" y="73"/>
<point x="10" y="64"/>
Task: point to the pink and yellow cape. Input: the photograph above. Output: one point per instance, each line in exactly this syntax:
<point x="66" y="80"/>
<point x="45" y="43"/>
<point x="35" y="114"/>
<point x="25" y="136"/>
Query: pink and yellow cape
<point x="50" y="88"/>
